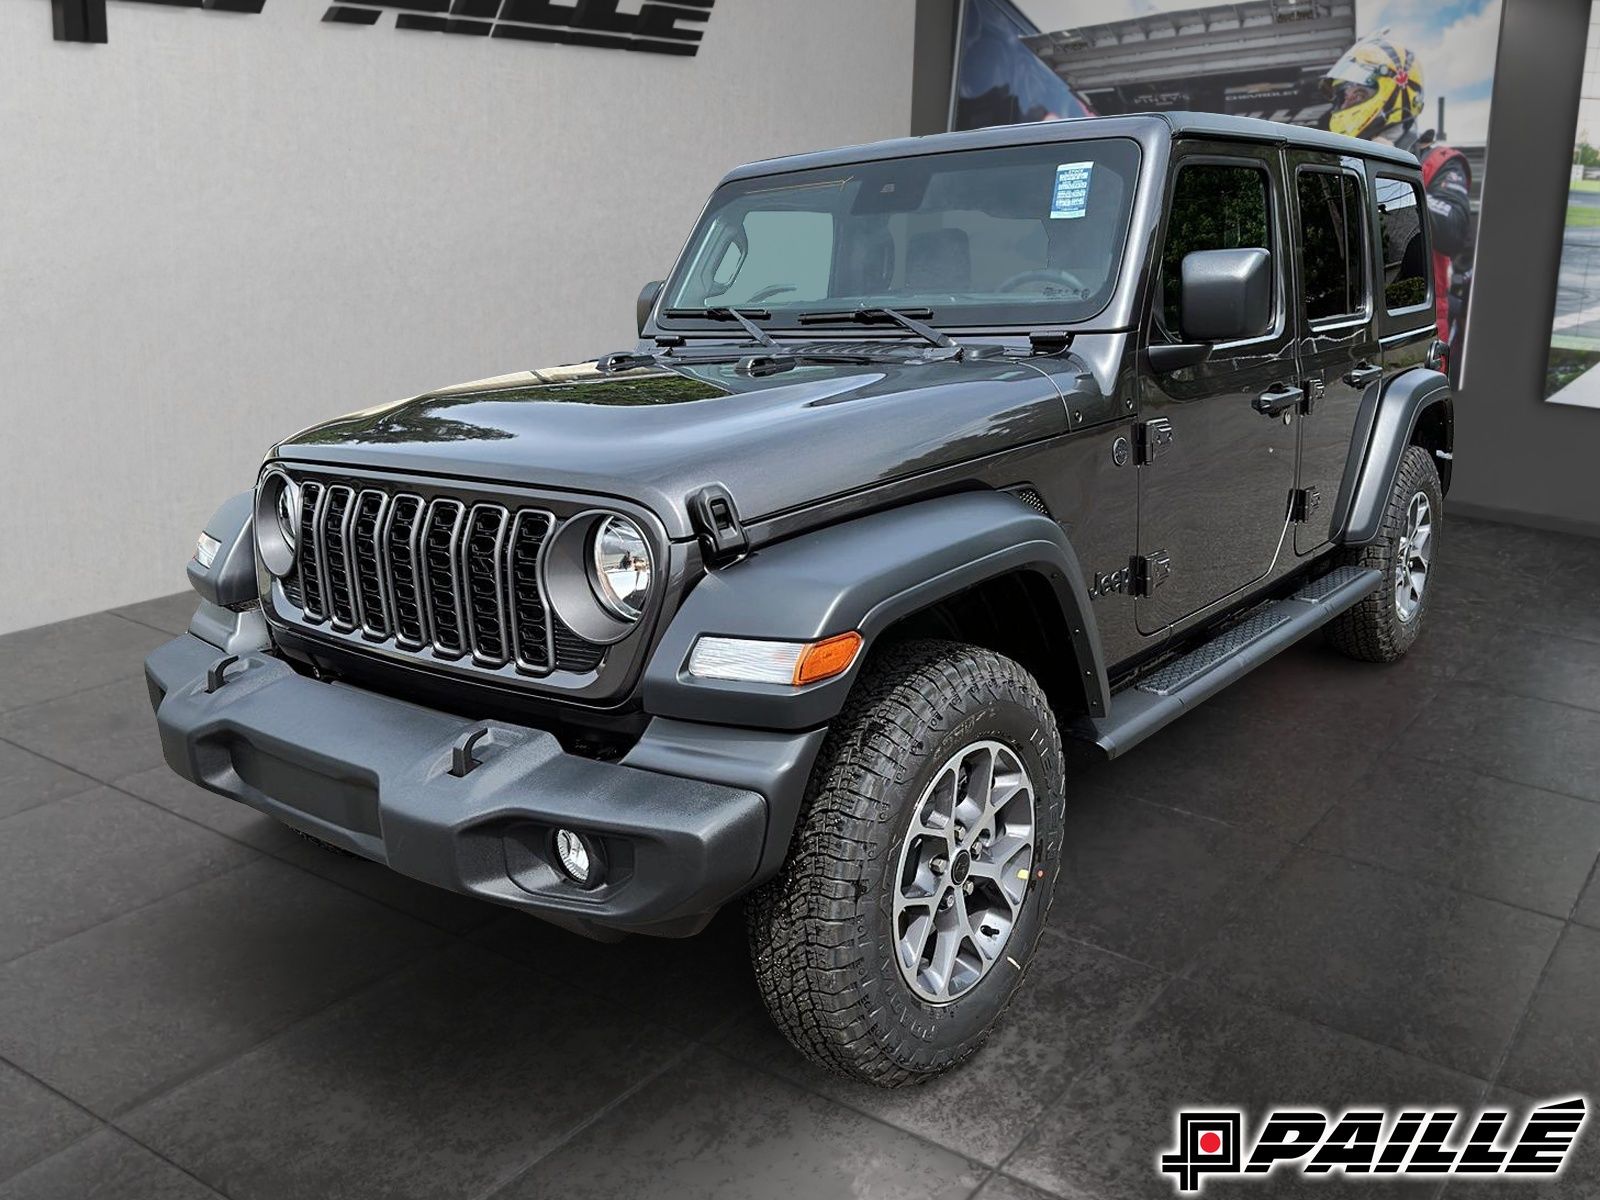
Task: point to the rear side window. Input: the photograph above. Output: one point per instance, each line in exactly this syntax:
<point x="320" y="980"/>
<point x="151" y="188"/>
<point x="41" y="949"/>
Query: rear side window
<point x="1331" y="244"/>
<point x="1215" y="206"/>
<point x="1401" y="213"/>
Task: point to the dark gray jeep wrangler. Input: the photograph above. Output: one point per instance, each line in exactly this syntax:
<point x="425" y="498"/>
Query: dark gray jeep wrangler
<point x="931" y="454"/>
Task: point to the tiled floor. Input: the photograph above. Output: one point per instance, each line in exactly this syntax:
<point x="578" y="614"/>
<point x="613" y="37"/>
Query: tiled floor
<point x="1336" y="883"/>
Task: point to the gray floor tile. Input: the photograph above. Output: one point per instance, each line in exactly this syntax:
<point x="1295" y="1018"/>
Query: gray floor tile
<point x="1542" y="665"/>
<point x="435" y="905"/>
<point x="106" y="732"/>
<point x="1003" y="1187"/>
<point x="1151" y="883"/>
<point x="169" y="614"/>
<point x="73" y="863"/>
<point x="1200" y="1048"/>
<point x="105" y="1166"/>
<point x="441" y="1082"/>
<point x="26" y="780"/>
<point x="1557" y="1051"/>
<point x="1075" y="1000"/>
<point x="35" y="1122"/>
<point x="164" y="787"/>
<point x="1434" y="972"/>
<point x="1588" y="910"/>
<point x="699" y="985"/>
<point x="56" y="660"/>
<point x="182" y="984"/>
<point x="1485" y="835"/>
<point x="1215" y="763"/>
<point x="712" y="1129"/>
<point x="1551" y="746"/>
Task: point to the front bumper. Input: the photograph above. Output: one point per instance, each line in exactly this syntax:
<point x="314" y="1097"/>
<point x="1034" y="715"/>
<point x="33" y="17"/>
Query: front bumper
<point x="692" y="816"/>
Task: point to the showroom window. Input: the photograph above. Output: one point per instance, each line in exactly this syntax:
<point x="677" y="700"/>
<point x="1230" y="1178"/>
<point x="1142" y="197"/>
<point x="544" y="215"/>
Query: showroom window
<point x="1215" y="206"/>
<point x="1331" y="244"/>
<point x="1401" y="211"/>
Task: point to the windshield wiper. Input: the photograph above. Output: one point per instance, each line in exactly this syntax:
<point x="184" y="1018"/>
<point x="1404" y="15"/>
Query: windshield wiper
<point x="742" y="316"/>
<point x="903" y="317"/>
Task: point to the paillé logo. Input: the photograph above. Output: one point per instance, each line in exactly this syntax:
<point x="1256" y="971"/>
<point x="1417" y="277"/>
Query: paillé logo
<point x="1370" y="1142"/>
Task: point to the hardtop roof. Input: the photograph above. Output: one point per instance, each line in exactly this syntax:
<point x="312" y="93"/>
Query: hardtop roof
<point x="1142" y="126"/>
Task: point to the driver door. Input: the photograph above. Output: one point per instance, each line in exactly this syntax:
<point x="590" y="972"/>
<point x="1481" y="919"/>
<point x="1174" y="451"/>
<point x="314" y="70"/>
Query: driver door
<point x="1216" y="471"/>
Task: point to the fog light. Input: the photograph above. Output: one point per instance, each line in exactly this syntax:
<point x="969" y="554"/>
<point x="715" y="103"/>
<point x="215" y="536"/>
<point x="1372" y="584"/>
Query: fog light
<point x="580" y="858"/>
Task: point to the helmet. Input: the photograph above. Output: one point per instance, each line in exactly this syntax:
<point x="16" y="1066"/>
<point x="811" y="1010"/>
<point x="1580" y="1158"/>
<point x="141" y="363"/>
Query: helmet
<point x="1378" y="83"/>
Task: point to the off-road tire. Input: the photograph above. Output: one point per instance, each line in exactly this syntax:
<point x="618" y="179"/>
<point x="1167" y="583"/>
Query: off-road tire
<point x="1373" y="631"/>
<point x="822" y="931"/>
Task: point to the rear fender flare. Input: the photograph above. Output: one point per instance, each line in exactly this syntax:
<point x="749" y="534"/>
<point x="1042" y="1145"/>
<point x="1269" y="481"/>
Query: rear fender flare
<point x="1384" y="429"/>
<point x="864" y="574"/>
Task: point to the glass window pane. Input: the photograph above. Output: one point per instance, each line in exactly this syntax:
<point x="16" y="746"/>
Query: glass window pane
<point x="1215" y="206"/>
<point x="1405" y="246"/>
<point x="1330" y="244"/>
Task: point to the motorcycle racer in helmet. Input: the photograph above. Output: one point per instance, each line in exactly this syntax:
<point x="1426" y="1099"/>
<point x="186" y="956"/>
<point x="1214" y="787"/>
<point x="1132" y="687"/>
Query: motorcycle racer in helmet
<point x="1376" y="92"/>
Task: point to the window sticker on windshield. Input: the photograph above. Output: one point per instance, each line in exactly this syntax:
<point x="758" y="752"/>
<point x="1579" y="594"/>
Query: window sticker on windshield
<point x="1071" y="199"/>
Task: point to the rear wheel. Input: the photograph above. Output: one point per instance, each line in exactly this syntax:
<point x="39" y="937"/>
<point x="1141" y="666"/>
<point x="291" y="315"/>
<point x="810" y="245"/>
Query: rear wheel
<point x="1382" y="627"/>
<point x="922" y="867"/>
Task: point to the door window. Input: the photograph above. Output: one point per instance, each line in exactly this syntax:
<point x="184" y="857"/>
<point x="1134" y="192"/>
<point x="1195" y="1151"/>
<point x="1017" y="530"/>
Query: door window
<point x="1331" y="246"/>
<point x="1215" y="206"/>
<point x="1405" y="245"/>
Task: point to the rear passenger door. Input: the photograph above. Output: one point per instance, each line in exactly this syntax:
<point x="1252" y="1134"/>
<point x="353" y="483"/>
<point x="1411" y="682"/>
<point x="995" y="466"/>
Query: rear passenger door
<point x="1338" y="344"/>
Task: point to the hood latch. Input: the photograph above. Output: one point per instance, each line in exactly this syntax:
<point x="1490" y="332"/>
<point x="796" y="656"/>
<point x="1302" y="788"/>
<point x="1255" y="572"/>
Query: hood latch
<point x="716" y="523"/>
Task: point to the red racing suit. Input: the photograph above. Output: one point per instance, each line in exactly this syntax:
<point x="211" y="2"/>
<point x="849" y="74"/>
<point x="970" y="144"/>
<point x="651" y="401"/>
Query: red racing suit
<point x="1447" y="180"/>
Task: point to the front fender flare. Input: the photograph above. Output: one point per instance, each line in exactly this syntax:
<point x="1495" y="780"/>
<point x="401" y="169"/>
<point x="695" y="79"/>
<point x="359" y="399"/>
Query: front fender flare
<point x="1374" y="458"/>
<point x="864" y="574"/>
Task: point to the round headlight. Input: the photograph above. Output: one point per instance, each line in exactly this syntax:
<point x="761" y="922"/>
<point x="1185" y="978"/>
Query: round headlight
<point x="619" y="567"/>
<point x="277" y="521"/>
<point x="289" y="512"/>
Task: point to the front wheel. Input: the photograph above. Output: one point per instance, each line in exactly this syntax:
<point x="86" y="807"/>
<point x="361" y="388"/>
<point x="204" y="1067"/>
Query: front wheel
<point x="1384" y="625"/>
<point x="922" y="867"/>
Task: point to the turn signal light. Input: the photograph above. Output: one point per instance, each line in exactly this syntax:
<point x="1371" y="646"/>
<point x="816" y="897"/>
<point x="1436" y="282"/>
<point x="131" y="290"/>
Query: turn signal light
<point x="827" y="658"/>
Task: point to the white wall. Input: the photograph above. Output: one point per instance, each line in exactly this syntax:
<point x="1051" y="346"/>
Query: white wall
<point x="219" y="228"/>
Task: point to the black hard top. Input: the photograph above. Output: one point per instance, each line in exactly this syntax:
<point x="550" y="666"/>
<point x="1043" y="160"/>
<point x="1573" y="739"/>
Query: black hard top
<point x="1143" y="127"/>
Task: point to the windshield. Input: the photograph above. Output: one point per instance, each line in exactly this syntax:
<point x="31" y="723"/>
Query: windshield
<point x="1018" y="235"/>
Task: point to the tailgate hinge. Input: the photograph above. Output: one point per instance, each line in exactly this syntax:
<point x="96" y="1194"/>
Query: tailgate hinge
<point x="1149" y="572"/>
<point x="716" y="523"/>
<point x="1153" y="437"/>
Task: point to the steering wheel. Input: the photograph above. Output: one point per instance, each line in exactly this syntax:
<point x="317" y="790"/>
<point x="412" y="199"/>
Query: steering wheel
<point x="1043" y="275"/>
<point x="767" y="293"/>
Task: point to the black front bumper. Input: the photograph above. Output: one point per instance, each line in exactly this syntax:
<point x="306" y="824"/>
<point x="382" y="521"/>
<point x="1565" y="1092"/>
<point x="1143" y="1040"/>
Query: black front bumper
<point x="691" y="817"/>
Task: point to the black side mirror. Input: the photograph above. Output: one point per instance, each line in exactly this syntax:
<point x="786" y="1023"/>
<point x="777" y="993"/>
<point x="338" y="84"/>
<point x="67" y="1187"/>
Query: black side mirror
<point x="1227" y="294"/>
<point x="647" y="302"/>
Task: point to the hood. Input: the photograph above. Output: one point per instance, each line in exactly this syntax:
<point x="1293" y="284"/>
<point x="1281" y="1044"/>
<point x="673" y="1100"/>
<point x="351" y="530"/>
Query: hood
<point x="656" y="435"/>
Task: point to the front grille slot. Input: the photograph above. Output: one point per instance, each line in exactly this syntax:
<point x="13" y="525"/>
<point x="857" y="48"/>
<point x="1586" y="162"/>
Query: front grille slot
<point x="335" y="530"/>
<point x="402" y="543"/>
<point x="441" y="576"/>
<point x="434" y="576"/>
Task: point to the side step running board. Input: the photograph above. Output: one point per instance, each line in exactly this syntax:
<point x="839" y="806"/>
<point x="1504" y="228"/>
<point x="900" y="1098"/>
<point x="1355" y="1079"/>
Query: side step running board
<point x="1163" y="696"/>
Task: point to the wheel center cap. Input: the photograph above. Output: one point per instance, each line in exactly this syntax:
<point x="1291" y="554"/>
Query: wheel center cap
<point x="960" y="867"/>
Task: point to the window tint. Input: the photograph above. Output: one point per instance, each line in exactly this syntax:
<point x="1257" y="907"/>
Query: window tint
<point x="1214" y="207"/>
<point x="1331" y="244"/>
<point x="1405" y="248"/>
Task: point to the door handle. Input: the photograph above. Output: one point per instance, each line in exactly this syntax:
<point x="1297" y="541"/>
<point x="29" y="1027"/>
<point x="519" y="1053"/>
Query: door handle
<point x="1278" y="401"/>
<point x="1363" y="373"/>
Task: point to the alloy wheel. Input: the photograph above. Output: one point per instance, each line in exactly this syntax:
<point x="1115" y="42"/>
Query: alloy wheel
<point x="1413" y="558"/>
<point x="964" y="870"/>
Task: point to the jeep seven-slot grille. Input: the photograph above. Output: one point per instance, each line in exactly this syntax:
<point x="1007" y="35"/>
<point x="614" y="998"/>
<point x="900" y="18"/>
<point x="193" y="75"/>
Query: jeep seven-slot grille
<point x="440" y="576"/>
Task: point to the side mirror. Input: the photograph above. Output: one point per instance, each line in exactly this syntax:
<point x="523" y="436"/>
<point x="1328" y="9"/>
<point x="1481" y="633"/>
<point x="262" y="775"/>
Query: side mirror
<point x="647" y="302"/>
<point x="1227" y="295"/>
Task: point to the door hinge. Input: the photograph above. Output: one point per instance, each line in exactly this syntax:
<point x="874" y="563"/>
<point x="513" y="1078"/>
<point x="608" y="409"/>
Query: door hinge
<point x="1303" y="504"/>
<point x="1153" y="437"/>
<point x="716" y="522"/>
<point x="1314" y="390"/>
<point x="1149" y="571"/>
